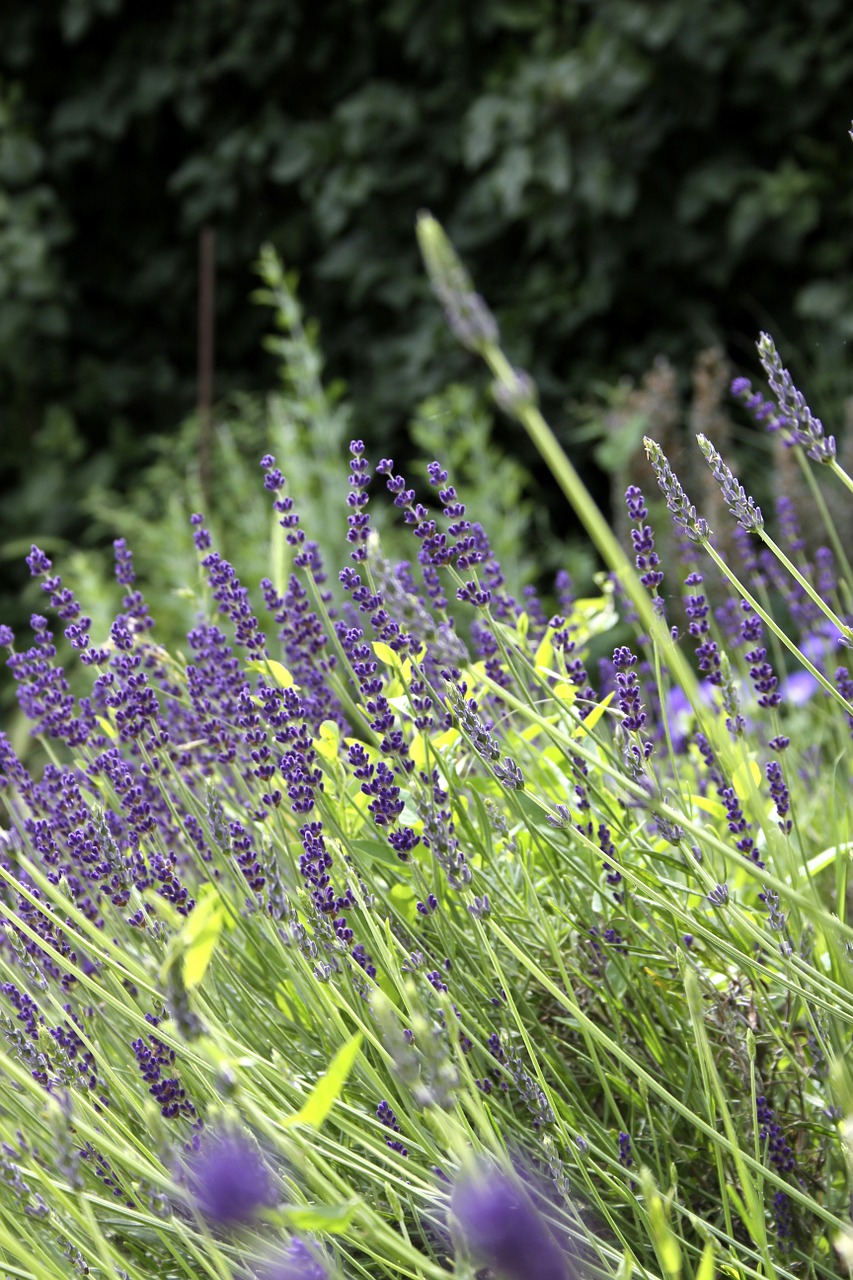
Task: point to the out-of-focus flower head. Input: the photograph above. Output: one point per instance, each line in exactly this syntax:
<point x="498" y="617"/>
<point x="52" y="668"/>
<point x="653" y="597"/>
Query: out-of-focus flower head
<point x="298" y="1263"/>
<point x="503" y="1229"/>
<point x="229" y="1180"/>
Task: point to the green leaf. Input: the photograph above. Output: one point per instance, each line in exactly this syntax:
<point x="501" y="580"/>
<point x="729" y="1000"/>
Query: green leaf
<point x="386" y="654"/>
<point x="328" y="1088"/>
<point x="332" y="1218"/>
<point x="705" y="1270"/>
<point x="405" y="901"/>
<point x="269" y="667"/>
<point x="373" y="851"/>
<point x="826" y="857"/>
<point x="665" y="1241"/>
<point x="200" y="935"/>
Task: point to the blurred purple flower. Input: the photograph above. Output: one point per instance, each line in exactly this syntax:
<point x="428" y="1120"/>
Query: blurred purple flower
<point x="679" y="712"/>
<point x="230" y="1181"/>
<point x="799" y="687"/>
<point x="503" y="1229"/>
<point x="298" y="1263"/>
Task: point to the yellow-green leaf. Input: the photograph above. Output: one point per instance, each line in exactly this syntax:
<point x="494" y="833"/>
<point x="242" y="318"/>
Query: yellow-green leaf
<point x="418" y="747"/>
<point x="386" y="654"/>
<point x="328" y="741"/>
<point x="107" y="727"/>
<point x="283" y="1002"/>
<point x="328" y="1088"/>
<point x="333" y="1218"/>
<point x="567" y="693"/>
<point x="713" y="807"/>
<point x="269" y="667"/>
<point x="705" y="1270"/>
<point x="594" y="716"/>
<point x="405" y="901"/>
<point x="746" y="770"/>
<point x="545" y="653"/>
<point x="666" y="1244"/>
<point x="826" y="857"/>
<point x="200" y="935"/>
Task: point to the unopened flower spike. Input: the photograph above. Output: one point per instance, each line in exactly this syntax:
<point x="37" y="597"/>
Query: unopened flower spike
<point x="683" y="512"/>
<point x="516" y="393"/>
<point x="742" y="507"/>
<point x="796" y="421"/>
<point x="467" y="314"/>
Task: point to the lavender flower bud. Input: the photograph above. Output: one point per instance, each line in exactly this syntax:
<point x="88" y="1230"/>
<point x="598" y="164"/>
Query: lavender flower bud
<point x="742" y="507"/>
<point x="467" y="314"/>
<point x="509" y="774"/>
<point x="684" y="514"/>
<point x="796" y="421"/>
<point x="516" y="396"/>
<point x="298" y="1263"/>
<point x="503" y="1229"/>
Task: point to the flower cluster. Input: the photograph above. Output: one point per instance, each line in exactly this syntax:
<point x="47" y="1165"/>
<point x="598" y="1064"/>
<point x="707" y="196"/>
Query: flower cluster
<point x="792" y="416"/>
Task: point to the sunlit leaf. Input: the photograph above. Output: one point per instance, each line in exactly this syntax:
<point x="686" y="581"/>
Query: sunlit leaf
<point x="333" y="1218"/>
<point x="594" y="716"/>
<point x="200" y="935"/>
<point x="328" y="1088"/>
<point x="269" y="667"/>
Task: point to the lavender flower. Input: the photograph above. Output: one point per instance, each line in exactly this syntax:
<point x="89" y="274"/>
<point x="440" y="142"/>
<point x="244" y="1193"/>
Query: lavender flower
<point x="469" y="318"/>
<point x="230" y="1181"/>
<point x="697" y="609"/>
<point x="628" y="688"/>
<point x="481" y="908"/>
<point x="386" y="1116"/>
<point x="643" y="539"/>
<point x="780" y="795"/>
<point x="298" y="1263"/>
<point x="779" y="1153"/>
<point x="516" y="394"/>
<point x="795" y="420"/>
<point x="509" y="774"/>
<point x="695" y="528"/>
<point x="503" y="1230"/>
<point x="760" y="670"/>
<point x="742" y="507"/>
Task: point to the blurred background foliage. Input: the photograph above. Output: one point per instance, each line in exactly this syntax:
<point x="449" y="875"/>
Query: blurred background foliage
<point x="622" y="179"/>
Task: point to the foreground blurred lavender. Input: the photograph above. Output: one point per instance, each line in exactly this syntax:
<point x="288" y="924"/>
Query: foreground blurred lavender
<point x="230" y="1181"/>
<point x="503" y="1230"/>
<point x="298" y="1263"/>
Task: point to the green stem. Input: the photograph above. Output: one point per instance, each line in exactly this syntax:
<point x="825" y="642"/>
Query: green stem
<point x="776" y="629"/>
<point x="828" y="522"/>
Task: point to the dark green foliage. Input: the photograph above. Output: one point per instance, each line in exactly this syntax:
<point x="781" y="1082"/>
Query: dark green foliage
<point x="621" y="178"/>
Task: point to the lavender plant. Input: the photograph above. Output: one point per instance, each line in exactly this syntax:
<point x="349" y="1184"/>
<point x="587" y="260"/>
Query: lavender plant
<point x="383" y="934"/>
